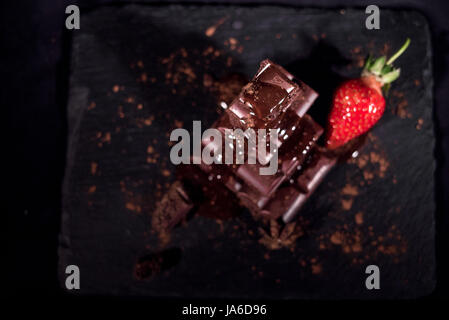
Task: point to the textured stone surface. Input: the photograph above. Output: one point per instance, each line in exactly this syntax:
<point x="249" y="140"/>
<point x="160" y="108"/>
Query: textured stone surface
<point x="378" y="209"/>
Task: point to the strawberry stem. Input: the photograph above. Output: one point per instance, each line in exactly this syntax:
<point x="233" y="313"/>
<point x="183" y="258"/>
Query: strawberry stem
<point x="383" y="70"/>
<point x="399" y="52"/>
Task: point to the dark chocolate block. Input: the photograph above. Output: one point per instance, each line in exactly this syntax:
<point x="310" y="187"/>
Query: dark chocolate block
<point x="173" y="207"/>
<point x="291" y="157"/>
<point x="296" y="149"/>
<point x="263" y="102"/>
<point x="289" y="199"/>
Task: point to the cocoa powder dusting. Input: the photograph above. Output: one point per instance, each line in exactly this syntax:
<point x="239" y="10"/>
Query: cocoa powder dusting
<point x="212" y="29"/>
<point x="93" y="167"/>
<point x="400" y="105"/>
<point x="374" y="164"/>
<point x="359" y="218"/>
<point x="92" y="189"/>
<point x="133" y="201"/>
<point x="419" y="124"/>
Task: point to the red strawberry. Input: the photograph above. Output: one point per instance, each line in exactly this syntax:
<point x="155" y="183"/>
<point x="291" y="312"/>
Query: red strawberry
<point x="358" y="103"/>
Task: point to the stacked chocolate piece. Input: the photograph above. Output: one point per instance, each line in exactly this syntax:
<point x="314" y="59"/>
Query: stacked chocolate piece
<point x="275" y="100"/>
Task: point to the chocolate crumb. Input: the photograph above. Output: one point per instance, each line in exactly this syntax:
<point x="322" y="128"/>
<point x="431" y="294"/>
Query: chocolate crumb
<point x="93" y="168"/>
<point x="212" y="29"/>
<point x="316" y="268"/>
<point x="92" y="189"/>
<point x="346" y="204"/>
<point x="359" y="218"/>
<point x="419" y="124"/>
<point x="350" y="190"/>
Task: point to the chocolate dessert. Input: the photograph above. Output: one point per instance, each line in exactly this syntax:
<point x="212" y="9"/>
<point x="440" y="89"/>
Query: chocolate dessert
<point x="273" y="99"/>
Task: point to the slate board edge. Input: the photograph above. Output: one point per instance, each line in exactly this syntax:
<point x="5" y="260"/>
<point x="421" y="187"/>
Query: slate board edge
<point x="74" y="118"/>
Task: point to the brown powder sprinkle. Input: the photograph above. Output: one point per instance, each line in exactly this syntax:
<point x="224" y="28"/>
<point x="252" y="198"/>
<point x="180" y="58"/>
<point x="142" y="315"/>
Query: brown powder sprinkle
<point x="212" y="29"/>
<point x="107" y="137"/>
<point x="346" y="204"/>
<point x="350" y="242"/>
<point x="233" y="44"/>
<point x="130" y="100"/>
<point x="133" y="202"/>
<point x="166" y="173"/>
<point x="419" y="124"/>
<point x="151" y="160"/>
<point x="358" y="57"/>
<point x="374" y="163"/>
<point x="316" y="268"/>
<point x="368" y="175"/>
<point x="120" y="112"/>
<point x="359" y="218"/>
<point x="133" y="207"/>
<point x="363" y="243"/>
<point x="336" y="238"/>
<point x="278" y="236"/>
<point x="91" y="106"/>
<point x="401" y="110"/>
<point x="179" y="69"/>
<point x="356" y="50"/>
<point x="207" y="80"/>
<point x="148" y="121"/>
<point x="178" y="124"/>
<point x="93" y="168"/>
<point x="350" y="190"/>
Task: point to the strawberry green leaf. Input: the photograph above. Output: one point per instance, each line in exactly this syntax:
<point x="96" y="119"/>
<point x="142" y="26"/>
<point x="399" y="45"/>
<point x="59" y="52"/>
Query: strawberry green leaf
<point x="386" y="69"/>
<point x="391" y="76"/>
<point x="377" y="66"/>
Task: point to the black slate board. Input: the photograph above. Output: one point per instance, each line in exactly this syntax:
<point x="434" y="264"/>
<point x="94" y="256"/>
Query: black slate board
<point x="112" y="183"/>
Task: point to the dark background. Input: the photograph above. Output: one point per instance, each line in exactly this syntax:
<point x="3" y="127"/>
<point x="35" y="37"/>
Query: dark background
<point x="34" y="91"/>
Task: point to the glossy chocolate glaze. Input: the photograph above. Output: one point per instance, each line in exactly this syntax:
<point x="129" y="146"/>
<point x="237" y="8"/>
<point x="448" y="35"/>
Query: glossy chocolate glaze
<point x="290" y="199"/>
<point x="272" y="100"/>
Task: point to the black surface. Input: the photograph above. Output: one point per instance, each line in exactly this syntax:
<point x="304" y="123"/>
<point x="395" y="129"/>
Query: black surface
<point x="34" y="95"/>
<point x="105" y="238"/>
